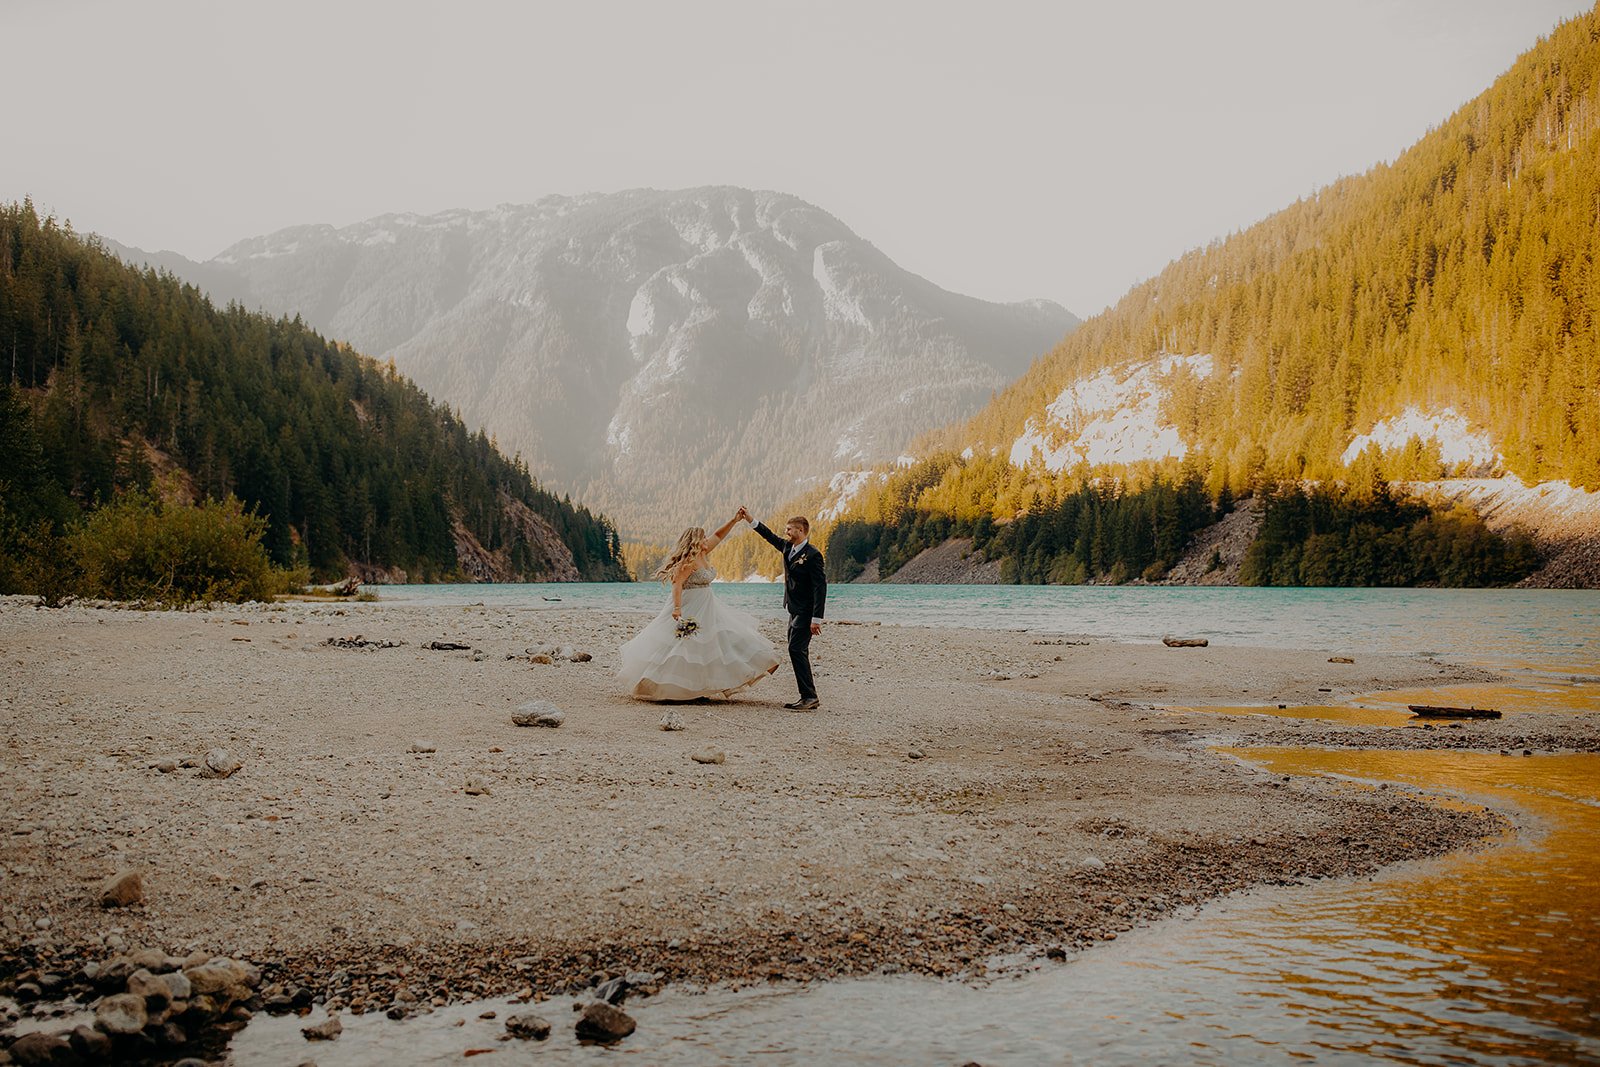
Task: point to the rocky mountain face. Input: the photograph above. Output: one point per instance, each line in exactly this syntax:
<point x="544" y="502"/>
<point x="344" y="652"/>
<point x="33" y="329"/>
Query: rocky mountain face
<point x="664" y="356"/>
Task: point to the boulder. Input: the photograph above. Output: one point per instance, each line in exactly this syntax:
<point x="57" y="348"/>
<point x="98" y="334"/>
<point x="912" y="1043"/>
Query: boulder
<point x="602" y="1023"/>
<point x="122" y="1013"/>
<point x="326" y="1030"/>
<point x="220" y="982"/>
<point x="528" y="1026"/>
<point x="538" y="713"/>
<point x="122" y="889"/>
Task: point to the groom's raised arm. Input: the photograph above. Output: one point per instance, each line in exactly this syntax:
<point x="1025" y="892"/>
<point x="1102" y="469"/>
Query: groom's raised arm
<point x="771" y="538"/>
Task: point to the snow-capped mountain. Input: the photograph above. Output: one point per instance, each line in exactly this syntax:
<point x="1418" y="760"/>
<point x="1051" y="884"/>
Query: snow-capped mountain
<point x="663" y="355"/>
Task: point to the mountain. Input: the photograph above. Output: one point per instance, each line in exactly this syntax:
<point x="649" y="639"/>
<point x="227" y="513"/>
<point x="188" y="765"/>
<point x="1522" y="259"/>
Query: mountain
<point x="664" y="355"/>
<point x="1438" y="317"/>
<point x="1452" y="294"/>
<point x="120" y="378"/>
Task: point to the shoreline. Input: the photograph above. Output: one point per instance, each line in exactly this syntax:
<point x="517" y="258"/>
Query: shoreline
<point x="1038" y="814"/>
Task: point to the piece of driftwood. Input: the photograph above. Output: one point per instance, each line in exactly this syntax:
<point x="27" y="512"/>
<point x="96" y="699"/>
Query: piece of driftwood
<point x="446" y="646"/>
<point x="1430" y="711"/>
<point x="1185" y="642"/>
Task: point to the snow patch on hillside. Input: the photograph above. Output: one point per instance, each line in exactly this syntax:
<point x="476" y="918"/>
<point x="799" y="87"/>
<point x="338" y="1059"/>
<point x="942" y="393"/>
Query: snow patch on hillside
<point x="1111" y="417"/>
<point x="1458" y="442"/>
<point x="846" y="486"/>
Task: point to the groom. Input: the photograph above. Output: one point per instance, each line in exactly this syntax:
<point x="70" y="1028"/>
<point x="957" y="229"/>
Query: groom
<point x="805" y="591"/>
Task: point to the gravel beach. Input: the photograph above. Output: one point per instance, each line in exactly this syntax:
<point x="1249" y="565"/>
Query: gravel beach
<point x="391" y="838"/>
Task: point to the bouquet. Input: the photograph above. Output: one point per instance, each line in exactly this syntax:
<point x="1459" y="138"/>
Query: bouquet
<point x="686" y="627"/>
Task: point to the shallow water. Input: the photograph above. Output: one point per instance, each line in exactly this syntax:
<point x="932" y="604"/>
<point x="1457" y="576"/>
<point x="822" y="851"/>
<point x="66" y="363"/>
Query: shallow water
<point x="1553" y="630"/>
<point x="1391" y="708"/>
<point x="1483" y="957"/>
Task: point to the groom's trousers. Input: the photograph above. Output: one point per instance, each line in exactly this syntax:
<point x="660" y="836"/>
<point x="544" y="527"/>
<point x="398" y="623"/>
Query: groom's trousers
<point x="800" y="655"/>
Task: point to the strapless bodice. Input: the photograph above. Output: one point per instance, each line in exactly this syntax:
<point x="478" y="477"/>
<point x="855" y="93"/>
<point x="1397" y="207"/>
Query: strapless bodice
<point x="700" y="578"/>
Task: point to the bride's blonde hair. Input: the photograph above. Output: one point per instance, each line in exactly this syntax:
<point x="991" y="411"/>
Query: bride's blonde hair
<point x="688" y="547"/>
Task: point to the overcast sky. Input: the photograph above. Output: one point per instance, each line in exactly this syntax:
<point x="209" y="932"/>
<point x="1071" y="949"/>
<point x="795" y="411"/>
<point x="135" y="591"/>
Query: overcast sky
<point x="1008" y="150"/>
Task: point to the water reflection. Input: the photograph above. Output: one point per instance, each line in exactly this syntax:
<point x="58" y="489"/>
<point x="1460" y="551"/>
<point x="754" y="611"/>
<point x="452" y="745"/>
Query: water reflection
<point x="1485" y="957"/>
<point x="1391" y="707"/>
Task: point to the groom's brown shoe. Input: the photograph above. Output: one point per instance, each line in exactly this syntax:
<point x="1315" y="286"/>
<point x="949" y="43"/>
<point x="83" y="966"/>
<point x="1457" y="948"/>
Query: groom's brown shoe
<point x="804" y="705"/>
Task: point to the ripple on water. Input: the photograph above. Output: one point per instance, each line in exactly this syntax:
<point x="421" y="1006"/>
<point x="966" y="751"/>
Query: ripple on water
<point x="1483" y="957"/>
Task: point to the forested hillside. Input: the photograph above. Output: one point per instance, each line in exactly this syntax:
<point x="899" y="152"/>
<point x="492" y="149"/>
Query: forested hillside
<point x="1460" y="279"/>
<point x="118" y="379"/>
<point x="1463" y="275"/>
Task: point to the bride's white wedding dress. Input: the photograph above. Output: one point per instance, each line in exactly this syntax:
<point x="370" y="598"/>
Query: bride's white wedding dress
<point x="725" y="654"/>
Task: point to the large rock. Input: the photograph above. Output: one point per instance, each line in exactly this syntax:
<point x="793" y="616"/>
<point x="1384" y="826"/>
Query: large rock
<point x="539" y="713"/>
<point x="122" y="889"/>
<point x="603" y="1023"/>
<point x="326" y="1030"/>
<point x="121" y="1013"/>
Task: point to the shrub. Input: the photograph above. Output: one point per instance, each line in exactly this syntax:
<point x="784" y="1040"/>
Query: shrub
<point x="141" y="549"/>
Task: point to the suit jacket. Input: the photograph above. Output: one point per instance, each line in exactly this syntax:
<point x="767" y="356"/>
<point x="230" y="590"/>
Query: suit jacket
<point x="805" y="584"/>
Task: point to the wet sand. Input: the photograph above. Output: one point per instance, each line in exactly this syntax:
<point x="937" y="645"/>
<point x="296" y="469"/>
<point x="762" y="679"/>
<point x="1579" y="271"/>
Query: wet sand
<point x="933" y="814"/>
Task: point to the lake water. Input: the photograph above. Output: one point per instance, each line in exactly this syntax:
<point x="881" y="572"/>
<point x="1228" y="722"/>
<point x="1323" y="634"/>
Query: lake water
<point x="1544" y="629"/>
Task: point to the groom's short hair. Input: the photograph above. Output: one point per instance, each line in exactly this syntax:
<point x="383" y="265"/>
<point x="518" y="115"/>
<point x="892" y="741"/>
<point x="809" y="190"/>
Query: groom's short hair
<point x="802" y="522"/>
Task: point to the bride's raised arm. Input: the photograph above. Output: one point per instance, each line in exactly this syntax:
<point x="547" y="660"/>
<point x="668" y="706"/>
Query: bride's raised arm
<point x="714" y="538"/>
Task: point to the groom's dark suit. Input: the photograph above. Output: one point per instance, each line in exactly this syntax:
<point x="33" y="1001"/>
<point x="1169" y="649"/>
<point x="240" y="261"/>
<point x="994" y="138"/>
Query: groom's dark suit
<point x="805" y="594"/>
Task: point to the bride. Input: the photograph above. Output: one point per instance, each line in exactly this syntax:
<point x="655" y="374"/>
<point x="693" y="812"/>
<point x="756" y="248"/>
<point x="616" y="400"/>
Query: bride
<point x="697" y="646"/>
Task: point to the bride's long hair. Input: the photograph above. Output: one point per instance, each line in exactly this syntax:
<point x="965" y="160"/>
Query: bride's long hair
<point x="688" y="547"/>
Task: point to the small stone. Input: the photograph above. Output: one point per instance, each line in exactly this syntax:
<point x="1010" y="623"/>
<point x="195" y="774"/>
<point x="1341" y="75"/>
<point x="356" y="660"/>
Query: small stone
<point x="326" y="1030"/>
<point x="614" y="991"/>
<point x="917" y="753"/>
<point x="90" y="1044"/>
<point x="475" y="788"/>
<point x="602" y="1023"/>
<point x="166" y="766"/>
<point x="1340" y="659"/>
<point x="528" y="1026"/>
<point x="672" y="721"/>
<point x="122" y="1013"/>
<point x="580" y="657"/>
<point x="42" y="1048"/>
<point x="1055" y="952"/>
<point x="220" y="763"/>
<point x="121" y="890"/>
<point x="538" y="713"/>
<point x="423" y="747"/>
<point x="1092" y="861"/>
<point x="709" y="755"/>
<point x="541" y="658"/>
<point x="153" y="988"/>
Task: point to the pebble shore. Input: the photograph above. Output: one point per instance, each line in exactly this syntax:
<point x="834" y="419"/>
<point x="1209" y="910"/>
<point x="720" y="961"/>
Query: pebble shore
<point x="390" y="840"/>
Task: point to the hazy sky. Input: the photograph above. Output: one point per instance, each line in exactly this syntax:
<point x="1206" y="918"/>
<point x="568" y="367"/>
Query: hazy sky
<point x="1007" y="150"/>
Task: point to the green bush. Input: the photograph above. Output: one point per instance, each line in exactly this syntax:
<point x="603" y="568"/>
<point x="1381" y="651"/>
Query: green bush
<point x="141" y="549"/>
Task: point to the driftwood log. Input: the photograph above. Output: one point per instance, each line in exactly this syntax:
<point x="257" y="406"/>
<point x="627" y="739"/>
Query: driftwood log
<point x="1185" y="642"/>
<point x="1430" y="711"/>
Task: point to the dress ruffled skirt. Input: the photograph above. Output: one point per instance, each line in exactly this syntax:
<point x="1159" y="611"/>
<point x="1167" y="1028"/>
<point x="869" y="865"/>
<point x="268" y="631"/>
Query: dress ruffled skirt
<point x="724" y="655"/>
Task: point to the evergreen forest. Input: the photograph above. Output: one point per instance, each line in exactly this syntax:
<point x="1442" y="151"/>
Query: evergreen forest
<point x="116" y="380"/>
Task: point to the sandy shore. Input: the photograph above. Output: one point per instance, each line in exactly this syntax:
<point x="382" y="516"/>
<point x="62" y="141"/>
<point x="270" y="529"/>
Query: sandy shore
<point x="1048" y="810"/>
